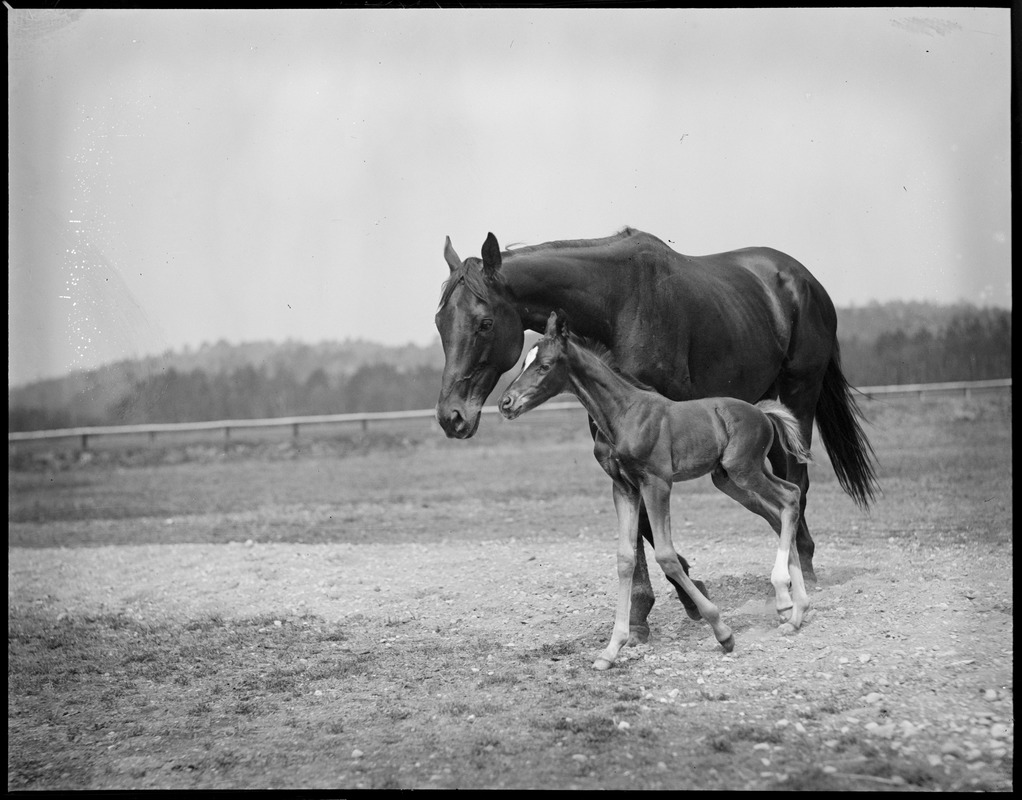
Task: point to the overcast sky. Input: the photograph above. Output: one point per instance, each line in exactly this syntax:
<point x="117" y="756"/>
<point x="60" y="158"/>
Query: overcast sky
<point x="180" y="177"/>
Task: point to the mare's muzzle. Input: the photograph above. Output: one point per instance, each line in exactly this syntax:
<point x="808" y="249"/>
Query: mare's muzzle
<point x="457" y="422"/>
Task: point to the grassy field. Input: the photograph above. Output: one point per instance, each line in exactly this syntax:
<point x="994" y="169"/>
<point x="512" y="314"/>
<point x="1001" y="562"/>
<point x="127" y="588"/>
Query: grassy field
<point x="391" y="609"/>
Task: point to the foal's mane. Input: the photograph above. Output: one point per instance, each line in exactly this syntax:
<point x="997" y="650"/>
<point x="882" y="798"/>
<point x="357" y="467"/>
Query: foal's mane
<point x="606" y="355"/>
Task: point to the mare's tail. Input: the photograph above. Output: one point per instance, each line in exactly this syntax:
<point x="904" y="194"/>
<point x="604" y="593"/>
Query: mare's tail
<point x="787" y="429"/>
<point x="851" y="454"/>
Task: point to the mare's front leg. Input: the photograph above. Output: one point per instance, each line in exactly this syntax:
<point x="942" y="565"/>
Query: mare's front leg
<point x="656" y="494"/>
<point x="642" y="589"/>
<point x="626" y="503"/>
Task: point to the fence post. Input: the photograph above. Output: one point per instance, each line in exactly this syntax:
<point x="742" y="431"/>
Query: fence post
<point x="294" y="429"/>
<point x="365" y="425"/>
<point x="85" y="441"/>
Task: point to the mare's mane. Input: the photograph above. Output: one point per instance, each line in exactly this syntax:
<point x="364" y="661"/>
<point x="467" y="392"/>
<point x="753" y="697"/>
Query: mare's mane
<point x="565" y="244"/>
<point x="471" y="274"/>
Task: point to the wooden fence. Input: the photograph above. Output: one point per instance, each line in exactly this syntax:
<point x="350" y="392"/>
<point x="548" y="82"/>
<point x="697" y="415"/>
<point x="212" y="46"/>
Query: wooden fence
<point x="364" y="419"/>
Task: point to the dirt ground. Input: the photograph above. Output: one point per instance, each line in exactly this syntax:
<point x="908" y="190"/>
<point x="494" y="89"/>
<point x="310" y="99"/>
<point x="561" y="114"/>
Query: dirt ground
<point x="464" y="662"/>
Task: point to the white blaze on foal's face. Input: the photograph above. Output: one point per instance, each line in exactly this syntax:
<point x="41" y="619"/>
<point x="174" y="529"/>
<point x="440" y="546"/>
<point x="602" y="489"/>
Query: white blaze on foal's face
<point x="530" y="357"/>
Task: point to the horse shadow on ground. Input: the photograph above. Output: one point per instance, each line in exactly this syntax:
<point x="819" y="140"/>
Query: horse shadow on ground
<point x="747" y="600"/>
<point x="734" y="590"/>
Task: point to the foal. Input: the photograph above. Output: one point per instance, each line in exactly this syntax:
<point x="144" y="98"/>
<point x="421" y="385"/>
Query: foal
<point x="649" y="442"/>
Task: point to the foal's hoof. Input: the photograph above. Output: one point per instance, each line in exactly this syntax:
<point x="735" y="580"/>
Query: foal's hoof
<point x="602" y="664"/>
<point x="784" y="614"/>
<point x="786" y="629"/>
<point x="728" y="644"/>
<point x="639" y="634"/>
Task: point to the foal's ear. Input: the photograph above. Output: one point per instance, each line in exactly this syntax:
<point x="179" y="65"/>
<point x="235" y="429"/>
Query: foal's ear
<point x="450" y="256"/>
<point x="558" y="324"/>
<point x="491" y="255"/>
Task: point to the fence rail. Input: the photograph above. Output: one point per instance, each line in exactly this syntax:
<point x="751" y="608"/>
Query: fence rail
<point x="153" y="429"/>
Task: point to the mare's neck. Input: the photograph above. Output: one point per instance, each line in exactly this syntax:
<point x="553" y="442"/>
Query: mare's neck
<point x="603" y="392"/>
<point x="542" y="282"/>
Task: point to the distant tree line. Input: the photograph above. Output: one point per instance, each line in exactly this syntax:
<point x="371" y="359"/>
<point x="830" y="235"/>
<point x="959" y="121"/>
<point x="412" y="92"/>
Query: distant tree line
<point x="972" y="345"/>
<point x="251" y="392"/>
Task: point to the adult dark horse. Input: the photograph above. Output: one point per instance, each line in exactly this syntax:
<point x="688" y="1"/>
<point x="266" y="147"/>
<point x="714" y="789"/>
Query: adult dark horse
<point x="752" y="324"/>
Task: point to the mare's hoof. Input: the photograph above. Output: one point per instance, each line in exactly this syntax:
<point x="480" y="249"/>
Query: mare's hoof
<point x="784" y="614"/>
<point x="638" y="635"/>
<point x="786" y="629"/>
<point x="728" y="644"/>
<point x="602" y="664"/>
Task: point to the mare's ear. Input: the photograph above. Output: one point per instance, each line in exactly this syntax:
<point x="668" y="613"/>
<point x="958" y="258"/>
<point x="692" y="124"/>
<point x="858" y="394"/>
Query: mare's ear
<point x="491" y="255"/>
<point x="450" y="256"/>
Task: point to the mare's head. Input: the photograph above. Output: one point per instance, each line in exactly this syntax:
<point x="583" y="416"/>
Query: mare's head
<point x="482" y="336"/>
<point x="545" y="373"/>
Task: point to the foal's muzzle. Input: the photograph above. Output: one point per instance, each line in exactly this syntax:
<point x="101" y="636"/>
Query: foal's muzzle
<point x="510" y="406"/>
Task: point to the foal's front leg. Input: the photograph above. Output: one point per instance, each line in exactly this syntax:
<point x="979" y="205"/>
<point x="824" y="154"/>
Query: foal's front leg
<point x="626" y="503"/>
<point x="657" y="497"/>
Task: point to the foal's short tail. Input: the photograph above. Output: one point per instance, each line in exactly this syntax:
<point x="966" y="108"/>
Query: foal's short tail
<point x="787" y="429"/>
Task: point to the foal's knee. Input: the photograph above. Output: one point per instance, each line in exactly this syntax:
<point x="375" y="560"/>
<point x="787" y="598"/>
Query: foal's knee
<point x="669" y="562"/>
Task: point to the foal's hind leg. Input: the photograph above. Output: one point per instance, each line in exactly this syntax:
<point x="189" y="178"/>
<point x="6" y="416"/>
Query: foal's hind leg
<point x="776" y="501"/>
<point x="787" y="467"/>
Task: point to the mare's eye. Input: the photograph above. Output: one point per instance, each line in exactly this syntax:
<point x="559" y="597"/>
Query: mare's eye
<point x="486" y="324"/>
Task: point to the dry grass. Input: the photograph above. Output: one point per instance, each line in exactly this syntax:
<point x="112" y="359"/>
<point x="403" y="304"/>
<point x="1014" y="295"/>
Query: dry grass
<point x="480" y="677"/>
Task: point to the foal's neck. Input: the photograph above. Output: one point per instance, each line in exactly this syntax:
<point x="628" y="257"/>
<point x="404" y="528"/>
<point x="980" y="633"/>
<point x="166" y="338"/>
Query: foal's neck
<point x="604" y="393"/>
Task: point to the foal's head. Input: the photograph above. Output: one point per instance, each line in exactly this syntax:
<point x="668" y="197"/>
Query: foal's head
<point x="545" y="373"/>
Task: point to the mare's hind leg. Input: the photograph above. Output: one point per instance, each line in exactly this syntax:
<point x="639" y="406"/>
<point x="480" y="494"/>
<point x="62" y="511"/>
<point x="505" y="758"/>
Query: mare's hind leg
<point x="626" y="502"/>
<point x="657" y="497"/>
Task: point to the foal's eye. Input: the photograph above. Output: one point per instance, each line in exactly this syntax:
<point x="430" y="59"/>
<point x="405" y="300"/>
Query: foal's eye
<point x="486" y="324"/>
